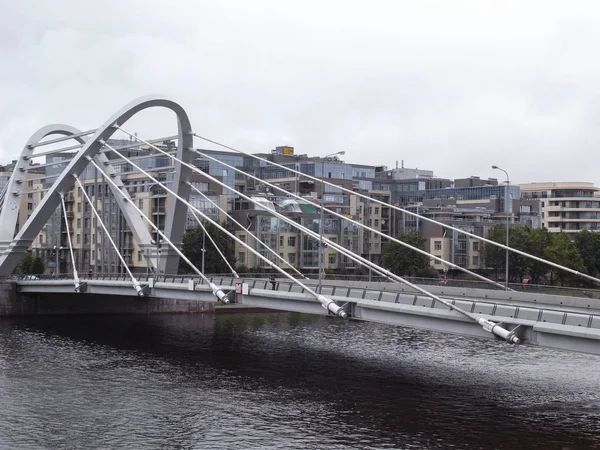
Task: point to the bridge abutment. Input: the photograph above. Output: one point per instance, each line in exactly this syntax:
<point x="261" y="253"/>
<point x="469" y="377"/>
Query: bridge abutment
<point x="13" y="303"/>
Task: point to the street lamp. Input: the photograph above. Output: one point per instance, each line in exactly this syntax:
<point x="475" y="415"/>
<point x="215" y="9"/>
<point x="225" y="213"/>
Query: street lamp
<point x="506" y="200"/>
<point x="159" y="192"/>
<point x="321" y="251"/>
<point x="57" y="260"/>
<point x="158" y="243"/>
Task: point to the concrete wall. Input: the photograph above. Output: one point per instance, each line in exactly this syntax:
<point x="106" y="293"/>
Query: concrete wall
<point x="15" y="304"/>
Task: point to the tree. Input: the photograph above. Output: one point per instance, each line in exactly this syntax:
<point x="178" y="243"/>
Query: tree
<point x="402" y="260"/>
<point x="26" y="264"/>
<point x="37" y="266"/>
<point x="495" y="257"/>
<point x="539" y="240"/>
<point x="32" y="265"/>
<point x="518" y="265"/>
<point x="192" y="249"/>
<point x="588" y="245"/>
<point x="563" y="251"/>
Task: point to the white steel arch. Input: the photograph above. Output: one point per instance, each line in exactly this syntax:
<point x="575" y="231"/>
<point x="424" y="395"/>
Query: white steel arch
<point x="14" y="249"/>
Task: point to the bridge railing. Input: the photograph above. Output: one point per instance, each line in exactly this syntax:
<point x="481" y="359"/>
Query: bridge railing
<point x="263" y="279"/>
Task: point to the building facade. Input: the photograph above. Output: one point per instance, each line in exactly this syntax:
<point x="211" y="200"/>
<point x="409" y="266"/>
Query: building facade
<point x="567" y="207"/>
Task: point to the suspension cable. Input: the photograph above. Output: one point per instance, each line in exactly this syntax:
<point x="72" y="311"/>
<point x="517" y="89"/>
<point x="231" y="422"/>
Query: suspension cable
<point x="338" y="247"/>
<point x="486" y="324"/>
<point x="398" y="241"/>
<point x="136" y="284"/>
<point x="397" y="208"/>
<point x="327" y="303"/>
<point x="75" y="274"/>
<point x="205" y="197"/>
<point x="217" y="292"/>
<point x="207" y="234"/>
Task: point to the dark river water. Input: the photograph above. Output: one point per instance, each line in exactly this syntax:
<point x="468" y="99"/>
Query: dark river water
<point x="284" y="381"/>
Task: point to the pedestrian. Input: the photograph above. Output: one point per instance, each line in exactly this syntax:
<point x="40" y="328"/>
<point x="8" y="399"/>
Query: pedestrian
<point x="273" y="282"/>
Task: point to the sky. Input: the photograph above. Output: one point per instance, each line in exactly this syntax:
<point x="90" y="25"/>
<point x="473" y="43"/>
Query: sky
<point x="450" y="86"/>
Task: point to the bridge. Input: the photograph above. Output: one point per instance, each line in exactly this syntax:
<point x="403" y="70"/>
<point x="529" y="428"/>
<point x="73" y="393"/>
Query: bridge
<point x="554" y="321"/>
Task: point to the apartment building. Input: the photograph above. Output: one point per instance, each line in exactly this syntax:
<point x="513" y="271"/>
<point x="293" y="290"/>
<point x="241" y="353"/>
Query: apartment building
<point x="567" y="207"/>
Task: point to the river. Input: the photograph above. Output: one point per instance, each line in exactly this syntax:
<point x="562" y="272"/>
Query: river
<point x="287" y="381"/>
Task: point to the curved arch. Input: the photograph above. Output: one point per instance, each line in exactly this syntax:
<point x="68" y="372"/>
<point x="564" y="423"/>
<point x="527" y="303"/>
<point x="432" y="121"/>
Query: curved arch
<point x="176" y="210"/>
<point x="10" y="213"/>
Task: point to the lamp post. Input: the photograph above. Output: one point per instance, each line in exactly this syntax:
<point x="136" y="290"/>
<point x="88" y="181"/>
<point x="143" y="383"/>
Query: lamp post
<point x="321" y="251"/>
<point x="506" y="200"/>
<point x="203" y="250"/>
<point x="57" y="250"/>
<point x="157" y="241"/>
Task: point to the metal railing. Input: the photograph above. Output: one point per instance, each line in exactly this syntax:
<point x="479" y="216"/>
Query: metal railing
<point x="264" y="278"/>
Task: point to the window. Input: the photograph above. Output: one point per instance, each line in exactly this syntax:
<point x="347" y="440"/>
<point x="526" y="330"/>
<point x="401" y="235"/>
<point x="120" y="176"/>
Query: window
<point x="78" y="222"/>
<point x="475" y="260"/>
<point x="241" y="258"/>
<point x="86" y="223"/>
<point x="78" y="237"/>
<point x="78" y="206"/>
<point x="437" y="262"/>
<point x="332" y="258"/>
<point x="29" y="195"/>
<point x="292" y="258"/>
<point x="29" y="206"/>
<point x="281" y="255"/>
<point x="437" y="245"/>
<point x="281" y="241"/>
<point x="475" y="247"/>
<point x="376" y="222"/>
<point x="292" y="241"/>
<point x="139" y="255"/>
<point x="86" y="238"/>
<point x="377" y="210"/>
<point x="242" y="238"/>
<point x="141" y="203"/>
<point x="93" y="254"/>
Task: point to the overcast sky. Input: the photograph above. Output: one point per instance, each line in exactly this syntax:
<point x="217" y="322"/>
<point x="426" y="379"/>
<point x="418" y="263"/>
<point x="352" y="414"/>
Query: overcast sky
<point x="443" y="85"/>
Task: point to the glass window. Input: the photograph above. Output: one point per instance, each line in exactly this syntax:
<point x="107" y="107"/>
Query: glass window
<point x="437" y="245"/>
<point x="292" y="241"/>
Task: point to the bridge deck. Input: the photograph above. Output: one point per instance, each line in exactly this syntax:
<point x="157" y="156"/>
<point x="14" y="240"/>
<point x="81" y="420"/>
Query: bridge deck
<point x="571" y="323"/>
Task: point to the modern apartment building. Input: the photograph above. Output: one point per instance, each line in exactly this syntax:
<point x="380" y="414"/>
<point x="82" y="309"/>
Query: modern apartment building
<point x="567" y="207"/>
<point x="472" y="204"/>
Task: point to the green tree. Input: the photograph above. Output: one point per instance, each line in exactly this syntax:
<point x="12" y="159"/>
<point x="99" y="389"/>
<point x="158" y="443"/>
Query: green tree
<point x="427" y="272"/>
<point x="495" y="257"/>
<point x="37" y="266"/>
<point x="402" y="260"/>
<point x="562" y="251"/>
<point x="518" y="265"/>
<point x="192" y="249"/>
<point x="539" y="240"/>
<point x="26" y="264"/>
<point x="588" y="245"/>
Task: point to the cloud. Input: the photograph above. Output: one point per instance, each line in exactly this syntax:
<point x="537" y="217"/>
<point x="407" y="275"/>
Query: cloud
<point x="449" y="86"/>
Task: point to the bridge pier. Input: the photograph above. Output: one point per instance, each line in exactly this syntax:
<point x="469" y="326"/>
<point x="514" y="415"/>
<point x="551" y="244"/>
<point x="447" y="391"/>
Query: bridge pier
<point x="13" y="303"/>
